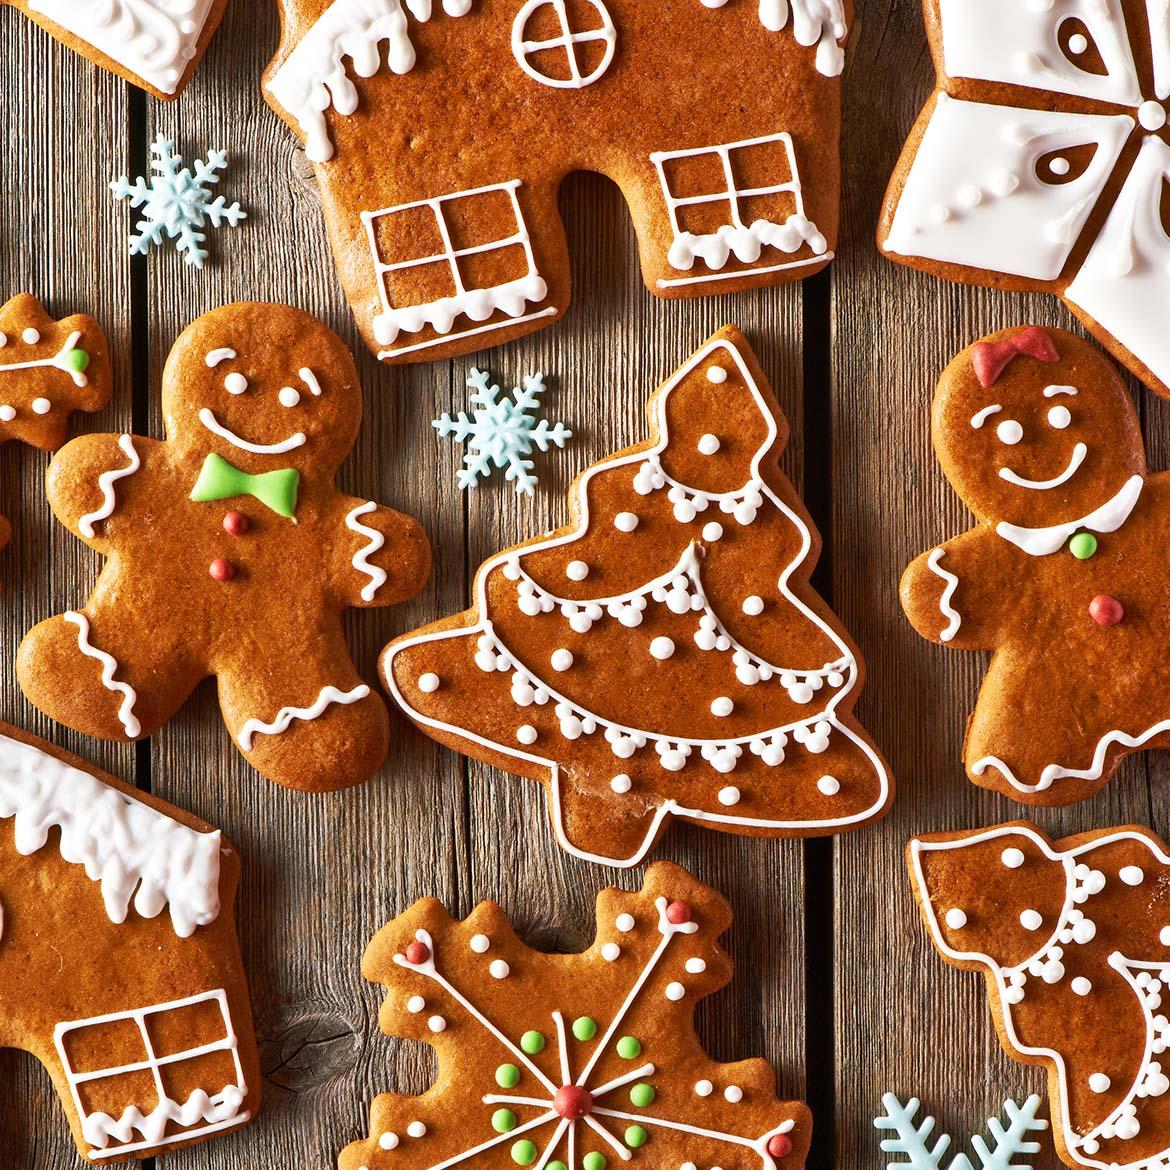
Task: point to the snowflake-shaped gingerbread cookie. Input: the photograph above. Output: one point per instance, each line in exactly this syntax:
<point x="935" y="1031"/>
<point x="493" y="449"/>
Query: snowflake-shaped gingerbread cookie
<point x="572" y="1062"/>
<point x="1041" y="163"/>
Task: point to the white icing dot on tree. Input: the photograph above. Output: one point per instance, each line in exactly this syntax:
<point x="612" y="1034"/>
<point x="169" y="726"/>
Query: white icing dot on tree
<point x="561" y="659"/>
<point x="416" y="1129"/>
<point x="625" y="923"/>
<point x="704" y="1089"/>
<point x="675" y="992"/>
<point x="388" y="1141"/>
<point x="610" y="952"/>
<point x="526" y="734"/>
<point x="709" y="444"/>
<point x="1099" y="1083"/>
<point x="1132" y="875"/>
<point x="480" y="943"/>
<point x="722" y="707"/>
<point x="499" y="969"/>
<point x="729" y="796"/>
<point x="576" y="570"/>
<point x="661" y="648"/>
<point x="621" y="783"/>
<point x="625" y="521"/>
<point x="428" y="683"/>
<point x="1164" y="936"/>
<point x="829" y="785"/>
<point x="1031" y="920"/>
<point x="753" y="606"/>
<point x="712" y="531"/>
<point x="437" y="1024"/>
<point x="1012" y="858"/>
<point x="1081" y="985"/>
<point x="696" y="966"/>
<point x="717" y="375"/>
<point x="415" y="1004"/>
<point x="955" y="918"/>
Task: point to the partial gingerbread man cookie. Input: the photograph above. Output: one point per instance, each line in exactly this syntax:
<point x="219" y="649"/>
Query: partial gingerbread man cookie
<point x="1073" y="938"/>
<point x="154" y="44"/>
<point x="663" y="655"/>
<point x="1063" y="577"/>
<point x="231" y="553"/>
<point x="48" y="369"/>
<point x="565" y="1061"/>
<point x="119" y="965"/>
<point x="1041" y="161"/>
<point x="443" y="249"/>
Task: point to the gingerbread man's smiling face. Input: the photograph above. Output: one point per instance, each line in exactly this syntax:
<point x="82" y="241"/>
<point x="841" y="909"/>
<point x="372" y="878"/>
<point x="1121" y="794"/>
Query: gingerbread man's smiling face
<point x="265" y="387"/>
<point x="1046" y="441"/>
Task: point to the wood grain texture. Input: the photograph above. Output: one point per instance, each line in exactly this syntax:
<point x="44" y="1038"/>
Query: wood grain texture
<point x="323" y="872"/>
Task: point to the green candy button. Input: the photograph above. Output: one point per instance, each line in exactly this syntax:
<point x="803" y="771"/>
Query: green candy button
<point x="593" y="1161"/>
<point x="507" y="1076"/>
<point x="78" y="360"/>
<point x="642" y="1095"/>
<point x="532" y="1042"/>
<point x="503" y="1121"/>
<point x="1083" y="545"/>
<point x="584" y="1028"/>
<point x="524" y="1152"/>
<point x="556" y="1164"/>
<point x="636" y="1137"/>
<point x="629" y="1048"/>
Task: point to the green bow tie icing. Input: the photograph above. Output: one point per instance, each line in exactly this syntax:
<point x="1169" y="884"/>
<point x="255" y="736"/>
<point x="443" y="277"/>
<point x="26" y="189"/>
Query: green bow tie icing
<point x="219" y="480"/>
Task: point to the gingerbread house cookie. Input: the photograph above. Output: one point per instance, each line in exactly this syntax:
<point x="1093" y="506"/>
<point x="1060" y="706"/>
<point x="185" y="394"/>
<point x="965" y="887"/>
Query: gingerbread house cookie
<point x="441" y="137"/>
<point x="119" y="965"/>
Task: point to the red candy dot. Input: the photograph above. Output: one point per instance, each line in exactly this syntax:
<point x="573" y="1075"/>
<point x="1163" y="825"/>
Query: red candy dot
<point x="573" y="1102"/>
<point x="780" y="1145"/>
<point x="677" y="913"/>
<point x="417" y="952"/>
<point x="1106" y="610"/>
<point x="221" y="570"/>
<point x="235" y="524"/>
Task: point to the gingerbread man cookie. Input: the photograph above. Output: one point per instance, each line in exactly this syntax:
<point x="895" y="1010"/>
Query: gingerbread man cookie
<point x="119" y="966"/>
<point x="586" y="1060"/>
<point x="439" y="157"/>
<point x="1073" y="938"/>
<point x="154" y="44"/>
<point x="663" y="655"/>
<point x="231" y="553"/>
<point x="1063" y="577"/>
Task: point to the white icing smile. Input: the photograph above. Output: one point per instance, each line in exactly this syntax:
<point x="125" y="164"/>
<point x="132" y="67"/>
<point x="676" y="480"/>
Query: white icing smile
<point x="208" y="419"/>
<point x="1043" y="485"/>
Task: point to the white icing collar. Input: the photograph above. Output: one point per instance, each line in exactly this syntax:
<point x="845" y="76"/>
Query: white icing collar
<point x="1041" y="542"/>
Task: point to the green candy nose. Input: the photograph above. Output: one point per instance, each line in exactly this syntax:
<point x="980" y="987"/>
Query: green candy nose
<point x="78" y="360"/>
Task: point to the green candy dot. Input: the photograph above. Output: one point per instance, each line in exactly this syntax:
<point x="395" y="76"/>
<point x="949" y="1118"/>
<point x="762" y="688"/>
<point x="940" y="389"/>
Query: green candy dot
<point x="636" y="1137"/>
<point x="524" y="1152"/>
<point x="629" y="1048"/>
<point x="507" y="1076"/>
<point x="532" y="1042"/>
<point x="642" y="1095"/>
<point x="584" y="1028"/>
<point x="556" y="1164"/>
<point x="1083" y="545"/>
<point x="503" y="1121"/>
<point x="78" y="360"/>
<point x="593" y="1161"/>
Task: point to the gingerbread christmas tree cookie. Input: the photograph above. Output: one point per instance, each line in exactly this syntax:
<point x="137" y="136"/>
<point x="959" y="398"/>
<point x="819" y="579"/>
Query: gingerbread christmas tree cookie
<point x="119" y="966"/>
<point x="231" y="553"/>
<point x="662" y="655"/>
<point x="568" y="1061"/>
<point x="1063" y="576"/>
<point x="443" y="248"/>
<point x="1073" y="938"/>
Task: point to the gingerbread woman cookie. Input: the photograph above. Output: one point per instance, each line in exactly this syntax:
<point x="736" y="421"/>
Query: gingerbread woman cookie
<point x="154" y="44"/>
<point x="443" y="247"/>
<point x="119" y="966"/>
<point x="663" y="655"/>
<point x="1063" y="577"/>
<point x="231" y="553"/>
<point x="1073" y="938"/>
<point x="586" y="1060"/>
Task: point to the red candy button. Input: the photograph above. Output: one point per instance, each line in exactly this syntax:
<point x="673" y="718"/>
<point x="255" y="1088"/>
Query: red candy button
<point x="573" y="1102"/>
<point x="1106" y="610"/>
<point x="417" y="952"/>
<point x="235" y="524"/>
<point x="677" y="913"/>
<point x="780" y="1145"/>
<point x="221" y="570"/>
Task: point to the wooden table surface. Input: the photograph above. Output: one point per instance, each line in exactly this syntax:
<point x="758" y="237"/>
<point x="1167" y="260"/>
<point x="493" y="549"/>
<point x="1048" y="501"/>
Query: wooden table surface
<point x="837" y="983"/>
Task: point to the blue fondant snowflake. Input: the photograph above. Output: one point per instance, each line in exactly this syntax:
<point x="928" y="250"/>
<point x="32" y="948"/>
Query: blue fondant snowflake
<point x="176" y="203"/>
<point x="1009" y="1142"/>
<point x="501" y="431"/>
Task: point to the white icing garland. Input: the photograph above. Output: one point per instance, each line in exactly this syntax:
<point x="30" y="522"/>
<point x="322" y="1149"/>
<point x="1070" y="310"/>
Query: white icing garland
<point x="106" y="482"/>
<point x="361" y="558"/>
<point x="1109" y="517"/>
<point x="123" y="844"/>
<point x="286" y="715"/>
<point x="814" y="22"/>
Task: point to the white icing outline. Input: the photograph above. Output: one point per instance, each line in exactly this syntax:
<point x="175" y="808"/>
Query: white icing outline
<point x="58" y="361"/>
<point x="132" y="850"/>
<point x="222" y="1111"/>
<point x="568" y="40"/>
<point x="954" y="618"/>
<point x="208" y="419"/>
<point x="1043" y="485"/>
<point x="1072" y="1140"/>
<point x="106" y="482"/>
<point x="286" y="715"/>
<point x="668" y="807"/>
<point x="361" y="558"/>
<point x="109" y="668"/>
<point x="1109" y="517"/>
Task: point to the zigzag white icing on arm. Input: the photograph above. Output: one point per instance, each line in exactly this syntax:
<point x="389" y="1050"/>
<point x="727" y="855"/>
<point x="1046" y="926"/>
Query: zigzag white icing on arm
<point x="123" y="844"/>
<point x="934" y="564"/>
<point x="109" y="668"/>
<point x="106" y="482"/>
<point x="361" y="559"/>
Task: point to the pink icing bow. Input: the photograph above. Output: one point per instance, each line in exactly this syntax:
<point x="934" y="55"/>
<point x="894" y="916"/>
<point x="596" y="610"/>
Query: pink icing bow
<point x="990" y="358"/>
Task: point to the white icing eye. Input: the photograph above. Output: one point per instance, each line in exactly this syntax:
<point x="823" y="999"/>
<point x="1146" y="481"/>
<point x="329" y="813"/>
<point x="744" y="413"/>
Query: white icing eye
<point x="289" y="397"/>
<point x="1059" y="417"/>
<point x="235" y="383"/>
<point x="1010" y="432"/>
